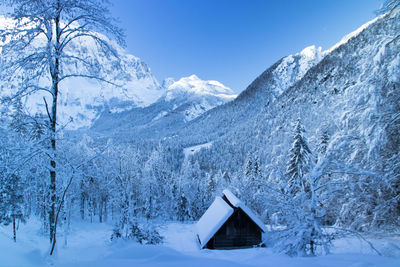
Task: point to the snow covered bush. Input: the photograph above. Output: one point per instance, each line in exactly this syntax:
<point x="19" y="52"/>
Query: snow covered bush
<point x="143" y="233"/>
<point x="297" y="200"/>
<point x="298" y="228"/>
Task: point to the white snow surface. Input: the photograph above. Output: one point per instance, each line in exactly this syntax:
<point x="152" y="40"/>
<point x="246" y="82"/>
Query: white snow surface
<point x="189" y="151"/>
<point x="194" y="85"/>
<point x="291" y="70"/>
<point x="239" y="204"/>
<point x="88" y="244"/>
<point x="195" y="95"/>
<point x="215" y="216"/>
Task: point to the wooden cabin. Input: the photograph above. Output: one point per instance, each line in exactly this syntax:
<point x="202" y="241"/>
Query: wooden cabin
<point x="228" y="224"/>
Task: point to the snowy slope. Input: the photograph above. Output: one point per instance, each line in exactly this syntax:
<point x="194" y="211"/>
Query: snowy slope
<point x="261" y="93"/>
<point x="198" y="96"/>
<point x="82" y="100"/>
<point x="351" y="90"/>
<point x="293" y="67"/>
<point x="190" y="97"/>
<point x="183" y="101"/>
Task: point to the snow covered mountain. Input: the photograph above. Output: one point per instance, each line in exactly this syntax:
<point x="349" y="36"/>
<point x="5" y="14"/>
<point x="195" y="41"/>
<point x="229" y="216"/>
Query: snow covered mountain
<point x="263" y="91"/>
<point x="293" y="67"/>
<point x="82" y="100"/>
<point x="192" y="96"/>
<point x="350" y="91"/>
<point x="183" y="101"/>
<point x="193" y="85"/>
<point x="188" y="98"/>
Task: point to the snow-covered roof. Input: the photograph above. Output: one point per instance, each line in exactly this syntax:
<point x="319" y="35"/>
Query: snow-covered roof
<point x="218" y="213"/>
<point x="239" y="204"/>
<point x="215" y="216"/>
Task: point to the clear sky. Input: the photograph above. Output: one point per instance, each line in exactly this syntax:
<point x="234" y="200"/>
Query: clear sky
<point x="232" y="41"/>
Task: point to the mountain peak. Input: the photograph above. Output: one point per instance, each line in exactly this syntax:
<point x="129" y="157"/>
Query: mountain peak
<point x="193" y="85"/>
<point x="193" y="77"/>
<point x="167" y="82"/>
<point x="311" y="52"/>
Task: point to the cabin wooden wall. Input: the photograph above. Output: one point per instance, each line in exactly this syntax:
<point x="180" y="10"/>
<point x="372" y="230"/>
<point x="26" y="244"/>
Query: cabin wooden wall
<point x="238" y="231"/>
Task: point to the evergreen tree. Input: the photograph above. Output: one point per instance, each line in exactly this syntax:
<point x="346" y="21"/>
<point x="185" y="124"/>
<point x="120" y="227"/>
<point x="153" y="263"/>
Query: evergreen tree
<point x="300" y="161"/>
<point x="248" y="169"/>
<point x="183" y="213"/>
<point x="211" y="186"/>
<point x="12" y="202"/>
<point x="323" y="142"/>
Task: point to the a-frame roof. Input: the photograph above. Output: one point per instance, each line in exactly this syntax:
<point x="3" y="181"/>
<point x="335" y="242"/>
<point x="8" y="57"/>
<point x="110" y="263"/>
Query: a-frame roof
<point x="239" y="204"/>
<point x="218" y="213"/>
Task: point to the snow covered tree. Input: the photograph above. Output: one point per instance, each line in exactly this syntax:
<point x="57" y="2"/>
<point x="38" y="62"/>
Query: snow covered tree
<point x="248" y="169"/>
<point x="294" y="199"/>
<point x="183" y="213"/>
<point x="249" y="183"/>
<point x="299" y="217"/>
<point x="211" y="186"/>
<point x="300" y="161"/>
<point x="193" y="185"/>
<point x="12" y="201"/>
<point x="323" y="142"/>
<point x="38" y="52"/>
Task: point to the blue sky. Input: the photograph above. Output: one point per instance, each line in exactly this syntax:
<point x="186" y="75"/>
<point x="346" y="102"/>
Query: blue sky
<point x="232" y="41"/>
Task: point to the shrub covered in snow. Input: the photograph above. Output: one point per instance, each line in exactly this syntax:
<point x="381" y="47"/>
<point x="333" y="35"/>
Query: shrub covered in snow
<point x="143" y="233"/>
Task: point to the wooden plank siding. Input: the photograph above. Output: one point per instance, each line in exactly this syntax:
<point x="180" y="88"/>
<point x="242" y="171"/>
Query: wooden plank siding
<point x="237" y="232"/>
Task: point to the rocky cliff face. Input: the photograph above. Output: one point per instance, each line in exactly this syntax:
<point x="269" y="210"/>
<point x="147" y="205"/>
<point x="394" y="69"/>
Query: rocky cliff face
<point x="82" y="100"/>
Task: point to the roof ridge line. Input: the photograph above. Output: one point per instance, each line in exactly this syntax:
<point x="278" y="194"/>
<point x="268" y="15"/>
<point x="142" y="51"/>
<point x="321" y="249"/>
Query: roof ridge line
<point x="226" y="199"/>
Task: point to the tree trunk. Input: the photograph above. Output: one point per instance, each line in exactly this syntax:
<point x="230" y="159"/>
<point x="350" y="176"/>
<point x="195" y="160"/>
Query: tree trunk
<point x="105" y="216"/>
<point x="82" y="210"/>
<point x="55" y="79"/>
<point x="101" y="210"/>
<point x="14" y="231"/>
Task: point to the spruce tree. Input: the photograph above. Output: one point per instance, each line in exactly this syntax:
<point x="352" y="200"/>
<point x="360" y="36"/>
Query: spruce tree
<point x="300" y="160"/>
<point x="323" y="142"/>
<point x="12" y="202"/>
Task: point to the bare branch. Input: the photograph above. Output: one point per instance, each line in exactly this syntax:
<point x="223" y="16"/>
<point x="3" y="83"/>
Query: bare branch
<point x="47" y="110"/>
<point x="94" y="77"/>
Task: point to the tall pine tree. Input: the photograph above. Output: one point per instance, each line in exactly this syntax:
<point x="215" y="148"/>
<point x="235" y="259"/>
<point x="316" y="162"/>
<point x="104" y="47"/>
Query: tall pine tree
<point x="300" y="161"/>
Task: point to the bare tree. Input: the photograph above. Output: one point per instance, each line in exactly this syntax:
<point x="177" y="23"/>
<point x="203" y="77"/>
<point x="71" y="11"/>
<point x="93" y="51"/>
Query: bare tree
<point x="38" y="50"/>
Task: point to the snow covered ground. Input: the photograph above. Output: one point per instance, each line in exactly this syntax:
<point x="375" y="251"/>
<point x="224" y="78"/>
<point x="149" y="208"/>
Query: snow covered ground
<point x="89" y="245"/>
<point x="189" y="151"/>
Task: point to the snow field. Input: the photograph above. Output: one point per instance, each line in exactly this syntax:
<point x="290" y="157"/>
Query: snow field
<point x="89" y="245"/>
